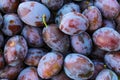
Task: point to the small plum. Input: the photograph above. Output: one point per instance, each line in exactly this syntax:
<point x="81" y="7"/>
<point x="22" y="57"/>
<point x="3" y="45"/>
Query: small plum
<point x="12" y="24"/>
<point x="33" y="56"/>
<point x="78" y="67"/>
<point x="50" y="65"/>
<point x="33" y="36"/>
<point x="94" y="16"/>
<point x="9" y="6"/>
<point x="15" y="50"/>
<point x="73" y="23"/>
<point x="82" y="43"/>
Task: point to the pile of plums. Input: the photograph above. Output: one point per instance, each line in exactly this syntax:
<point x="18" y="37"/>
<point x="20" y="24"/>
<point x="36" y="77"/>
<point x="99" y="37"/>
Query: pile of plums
<point x="59" y="40"/>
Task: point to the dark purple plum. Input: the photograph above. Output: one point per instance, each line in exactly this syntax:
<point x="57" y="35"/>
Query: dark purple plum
<point x="50" y="65"/>
<point x="33" y="36"/>
<point x="108" y="23"/>
<point x="11" y="72"/>
<point x="109" y="8"/>
<point x="107" y="39"/>
<point x="15" y="50"/>
<point x="12" y="24"/>
<point x="73" y="23"/>
<point x="53" y="4"/>
<point x="99" y="66"/>
<point x="55" y="39"/>
<point x="33" y="56"/>
<point x="9" y="6"/>
<point x="82" y="43"/>
<point x="94" y="16"/>
<point x="78" y="67"/>
<point x="97" y="53"/>
<point x="84" y="4"/>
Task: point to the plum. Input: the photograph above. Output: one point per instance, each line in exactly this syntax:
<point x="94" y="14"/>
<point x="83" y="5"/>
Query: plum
<point x="84" y="4"/>
<point x="73" y="23"/>
<point x="31" y="12"/>
<point x="33" y="36"/>
<point x="69" y="7"/>
<point x="15" y="50"/>
<point x="112" y="61"/>
<point x="81" y="43"/>
<point x="29" y="73"/>
<point x="94" y="16"/>
<point x="78" y="67"/>
<point x="9" y="6"/>
<point x="12" y="24"/>
<point x="50" y="65"/>
<point x="33" y="56"/>
<point x="99" y="66"/>
<point x="108" y="23"/>
<point x="109" y="8"/>
<point x="53" y="4"/>
<point x="97" y="53"/>
<point x="11" y="72"/>
<point x="107" y="39"/>
<point x="107" y="74"/>
<point x="55" y="39"/>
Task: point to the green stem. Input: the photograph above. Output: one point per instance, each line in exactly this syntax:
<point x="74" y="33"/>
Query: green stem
<point x="44" y="20"/>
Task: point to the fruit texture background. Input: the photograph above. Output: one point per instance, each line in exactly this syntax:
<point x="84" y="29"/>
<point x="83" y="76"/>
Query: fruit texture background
<point x="59" y="39"/>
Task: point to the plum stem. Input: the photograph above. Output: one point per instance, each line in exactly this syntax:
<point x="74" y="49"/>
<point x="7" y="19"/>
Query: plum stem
<point x="44" y="20"/>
